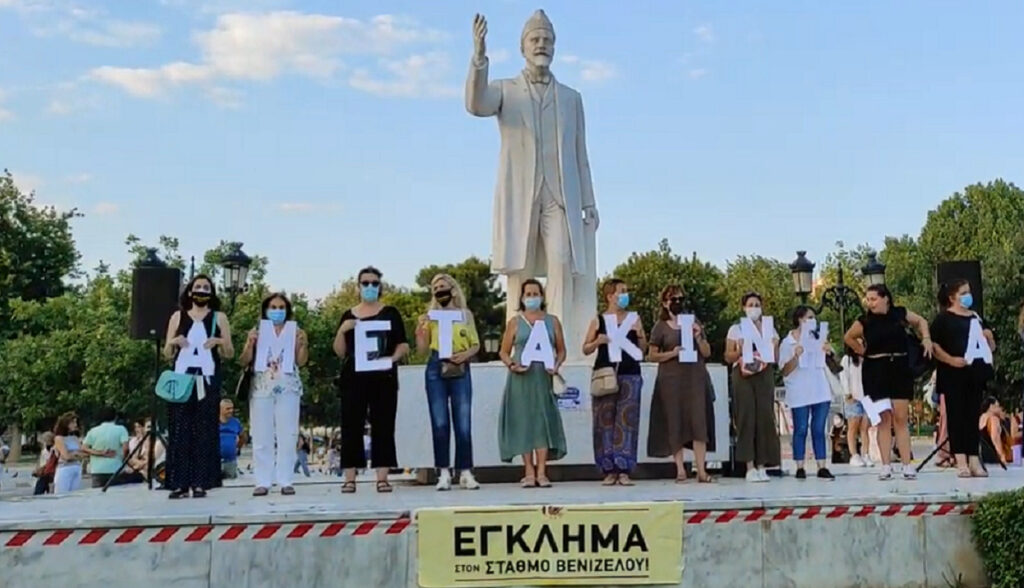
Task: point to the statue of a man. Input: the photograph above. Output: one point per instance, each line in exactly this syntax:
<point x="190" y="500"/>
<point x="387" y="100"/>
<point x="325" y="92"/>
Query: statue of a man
<point x="545" y="216"/>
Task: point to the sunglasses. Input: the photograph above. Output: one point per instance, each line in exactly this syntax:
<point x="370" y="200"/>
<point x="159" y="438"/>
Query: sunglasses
<point x="677" y="299"/>
<point x="369" y="283"/>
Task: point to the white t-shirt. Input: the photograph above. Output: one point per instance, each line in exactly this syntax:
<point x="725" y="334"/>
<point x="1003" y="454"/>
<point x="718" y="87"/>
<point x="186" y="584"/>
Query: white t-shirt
<point x="851" y="378"/>
<point x="804" y="385"/>
<point x="736" y="334"/>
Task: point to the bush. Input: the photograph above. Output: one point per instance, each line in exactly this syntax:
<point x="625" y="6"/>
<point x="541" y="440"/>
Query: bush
<point x="998" y="531"/>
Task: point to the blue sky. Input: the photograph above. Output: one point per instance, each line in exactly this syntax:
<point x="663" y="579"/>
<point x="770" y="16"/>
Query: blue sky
<point x="332" y="135"/>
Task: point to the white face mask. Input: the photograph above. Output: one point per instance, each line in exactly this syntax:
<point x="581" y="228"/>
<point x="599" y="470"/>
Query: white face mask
<point x="753" y="313"/>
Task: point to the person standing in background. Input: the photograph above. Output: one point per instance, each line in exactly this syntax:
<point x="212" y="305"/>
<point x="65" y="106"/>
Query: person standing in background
<point x="857" y="423"/>
<point x="44" y="474"/>
<point x="109" y="439"/>
<point x="230" y="429"/>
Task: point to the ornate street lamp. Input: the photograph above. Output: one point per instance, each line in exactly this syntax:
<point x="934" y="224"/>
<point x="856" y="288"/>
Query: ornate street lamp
<point x="492" y="342"/>
<point x="803" y="275"/>
<point x="236" y="269"/>
<point x="873" y="271"/>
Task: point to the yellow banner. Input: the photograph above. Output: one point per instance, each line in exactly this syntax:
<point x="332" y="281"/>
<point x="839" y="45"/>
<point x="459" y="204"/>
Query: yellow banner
<point x="631" y="543"/>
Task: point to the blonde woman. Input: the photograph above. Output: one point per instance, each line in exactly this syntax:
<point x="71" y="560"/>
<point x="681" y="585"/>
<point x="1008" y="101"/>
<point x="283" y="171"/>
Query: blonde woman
<point x="448" y="382"/>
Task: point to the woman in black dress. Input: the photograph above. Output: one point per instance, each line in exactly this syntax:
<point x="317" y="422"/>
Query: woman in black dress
<point x="880" y="337"/>
<point x="962" y="384"/>
<point x="369" y="395"/>
<point x="193" y="460"/>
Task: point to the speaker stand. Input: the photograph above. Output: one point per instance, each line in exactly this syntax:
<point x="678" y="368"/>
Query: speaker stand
<point x="153" y="434"/>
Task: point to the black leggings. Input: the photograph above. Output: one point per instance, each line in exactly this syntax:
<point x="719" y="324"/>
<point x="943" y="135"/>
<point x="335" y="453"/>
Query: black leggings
<point x="372" y="397"/>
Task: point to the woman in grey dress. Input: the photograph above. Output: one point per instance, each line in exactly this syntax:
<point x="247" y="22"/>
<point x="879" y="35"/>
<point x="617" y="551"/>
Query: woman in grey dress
<point x="679" y="405"/>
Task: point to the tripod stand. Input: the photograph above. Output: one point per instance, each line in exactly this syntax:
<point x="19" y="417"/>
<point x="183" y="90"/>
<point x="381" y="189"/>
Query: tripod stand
<point x="945" y="443"/>
<point x="152" y="434"/>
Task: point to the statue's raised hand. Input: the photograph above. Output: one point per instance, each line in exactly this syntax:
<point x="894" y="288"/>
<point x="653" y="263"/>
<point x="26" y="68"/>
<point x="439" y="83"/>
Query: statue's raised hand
<point x="479" y="37"/>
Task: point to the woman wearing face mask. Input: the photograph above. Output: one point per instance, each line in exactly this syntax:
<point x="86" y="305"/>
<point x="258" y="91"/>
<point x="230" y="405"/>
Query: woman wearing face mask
<point x="960" y="382"/>
<point x="680" y="405"/>
<point x="616" y="416"/>
<point x="274" y="399"/>
<point x="753" y="394"/>
<point x="808" y="395"/>
<point x="880" y="337"/>
<point x="529" y="424"/>
<point x="449" y="384"/>
<point x="193" y="462"/>
<point x="370" y="395"/>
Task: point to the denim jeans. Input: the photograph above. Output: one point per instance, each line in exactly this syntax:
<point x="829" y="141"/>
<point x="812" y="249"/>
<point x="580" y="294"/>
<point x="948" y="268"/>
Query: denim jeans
<point x="817" y="414"/>
<point x="451" y="402"/>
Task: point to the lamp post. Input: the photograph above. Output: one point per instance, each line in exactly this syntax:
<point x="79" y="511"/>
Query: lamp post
<point x="492" y="341"/>
<point x="874" y="271"/>
<point x="803" y="275"/>
<point x="236" y="269"/>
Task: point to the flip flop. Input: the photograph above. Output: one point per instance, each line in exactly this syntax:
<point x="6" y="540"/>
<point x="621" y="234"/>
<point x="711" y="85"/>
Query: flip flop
<point x="528" y="482"/>
<point x="543" y="482"/>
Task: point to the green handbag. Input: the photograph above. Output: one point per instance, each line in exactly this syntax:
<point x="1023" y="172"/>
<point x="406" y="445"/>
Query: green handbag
<point x="177" y="388"/>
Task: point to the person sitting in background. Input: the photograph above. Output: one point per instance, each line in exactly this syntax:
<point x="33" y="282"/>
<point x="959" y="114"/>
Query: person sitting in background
<point x="139" y="463"/>
<point x="108" y="443"/>
<point x="997" y="433"/>
<point x="230" y="429"/>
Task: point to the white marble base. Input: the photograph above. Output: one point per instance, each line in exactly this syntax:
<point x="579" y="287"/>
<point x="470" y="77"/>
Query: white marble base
<point x="415" y="445"/>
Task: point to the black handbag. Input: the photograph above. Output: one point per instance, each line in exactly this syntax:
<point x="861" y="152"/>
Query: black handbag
<point x="920" y="365"/>
<point x="451" y="370"/>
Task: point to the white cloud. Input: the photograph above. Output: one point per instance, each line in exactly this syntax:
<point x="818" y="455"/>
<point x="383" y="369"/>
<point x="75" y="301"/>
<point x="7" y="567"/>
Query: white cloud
<point x="26" y="183"/>
<point x="417" y="76"/>
<point x="225" y="97"/>
<point x="106" y="208"/>
<point x="705" y="33"/>
<point x="78" y="178"/>
<point x="590" y="70"/>
<point x="117" y="34"/>
<point x="91" y="26"/>
<point x="262" y="47"/>
<point x="697" y="73"/>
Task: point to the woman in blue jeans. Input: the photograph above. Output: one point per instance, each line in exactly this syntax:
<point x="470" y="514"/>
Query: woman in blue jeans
<point x="808" y="394"/>
<point x="448" y="381"/>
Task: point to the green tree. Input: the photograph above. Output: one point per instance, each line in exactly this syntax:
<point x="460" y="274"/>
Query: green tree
<point x="649" y="272"/>
<point x="768" y="277"/>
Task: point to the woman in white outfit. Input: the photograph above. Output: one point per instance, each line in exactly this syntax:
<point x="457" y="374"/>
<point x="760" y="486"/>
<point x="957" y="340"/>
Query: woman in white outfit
<point x="857" y="421"/>
<point x="275" y="394"/>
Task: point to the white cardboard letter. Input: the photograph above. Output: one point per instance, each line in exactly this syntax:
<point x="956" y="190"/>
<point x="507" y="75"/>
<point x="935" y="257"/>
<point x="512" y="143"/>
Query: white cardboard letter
<point x="688" y="351"/>
<point x="761" y="340"/>
<point x="538" y="347"/>
<point x="445" y="319"/>
<point x="195" y="355"/>
<point x="814" y="353"/>
<point x="617" y="335"/>
<point x="366" y="345"/>
<point x="977" y="344"/>
<point x="271" y="346"/>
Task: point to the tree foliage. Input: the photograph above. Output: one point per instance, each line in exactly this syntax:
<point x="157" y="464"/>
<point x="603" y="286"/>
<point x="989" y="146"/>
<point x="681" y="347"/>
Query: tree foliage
<point x="768" y="277"/>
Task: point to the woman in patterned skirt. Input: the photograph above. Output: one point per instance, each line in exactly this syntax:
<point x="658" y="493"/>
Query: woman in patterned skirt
<point x="616" y="416"/>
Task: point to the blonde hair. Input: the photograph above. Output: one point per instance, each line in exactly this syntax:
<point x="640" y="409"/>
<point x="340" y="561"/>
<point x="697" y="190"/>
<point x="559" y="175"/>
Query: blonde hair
<point x="458" y="298"/>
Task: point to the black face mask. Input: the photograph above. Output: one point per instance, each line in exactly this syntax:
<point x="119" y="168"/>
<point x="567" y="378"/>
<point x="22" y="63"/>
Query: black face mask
<point x="201" y="299"/>
<point x="676" y="308"/>
<point x="443" y="297"/>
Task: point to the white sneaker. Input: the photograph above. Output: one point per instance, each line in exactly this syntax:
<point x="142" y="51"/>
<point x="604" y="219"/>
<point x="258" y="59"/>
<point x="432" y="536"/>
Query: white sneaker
<point x="762" y="475"/>
<point x="868" y="463"/>
<point x="886" y="474"/>
<point x="444" y="480"/>
<point x="467" y="481"/>
<point x="909" y="473"/>
<point x="857" y="462"/>
<point x="754" y="475"/>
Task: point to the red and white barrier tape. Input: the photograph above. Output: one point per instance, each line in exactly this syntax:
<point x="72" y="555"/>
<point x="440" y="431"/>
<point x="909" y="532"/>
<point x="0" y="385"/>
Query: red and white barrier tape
<point x="200" y="533"/>
<point x="265" y="531"/>
<point x="825" y="512"/>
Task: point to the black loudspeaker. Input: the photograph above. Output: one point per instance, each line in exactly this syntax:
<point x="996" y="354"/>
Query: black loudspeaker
<point x="963" y="270"/>
<point x="155" y="293"/>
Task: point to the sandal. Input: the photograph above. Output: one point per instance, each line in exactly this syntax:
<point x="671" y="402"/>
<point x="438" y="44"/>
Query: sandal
<point x="682" y="480"/>
<point x="979" y="473"/>
<point x="198" y="493"/>
<point x="964" y="473"/>
<point x="178" y="494"/>
<point x="705" y="479"/>
<point x="260" y="491"/>
<point x="288" y="491"/>
<point x="625" y="481"/>
<point x="384" y="487"/>
<point x="528" y="482"/>
<point x="543" y="482"/>
<point x="348" y="488"/>
<point x="609" y="480"/>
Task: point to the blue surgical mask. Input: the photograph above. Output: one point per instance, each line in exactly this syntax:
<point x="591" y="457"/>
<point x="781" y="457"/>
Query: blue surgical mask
<point x="277" y="315"/>
<point x="622" y="300"/>
<point x="532" y="302"/>
<point x="966" y="300"/>
<point x="370" y="293"/>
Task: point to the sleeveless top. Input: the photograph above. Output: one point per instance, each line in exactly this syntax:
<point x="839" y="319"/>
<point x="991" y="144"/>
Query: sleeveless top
<point x="72" y="445"/>
<point x="885" y="333"/>
<point x="185" y="325"/>
<point x="523" y="335"/>
<point x="628" y="366"/>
